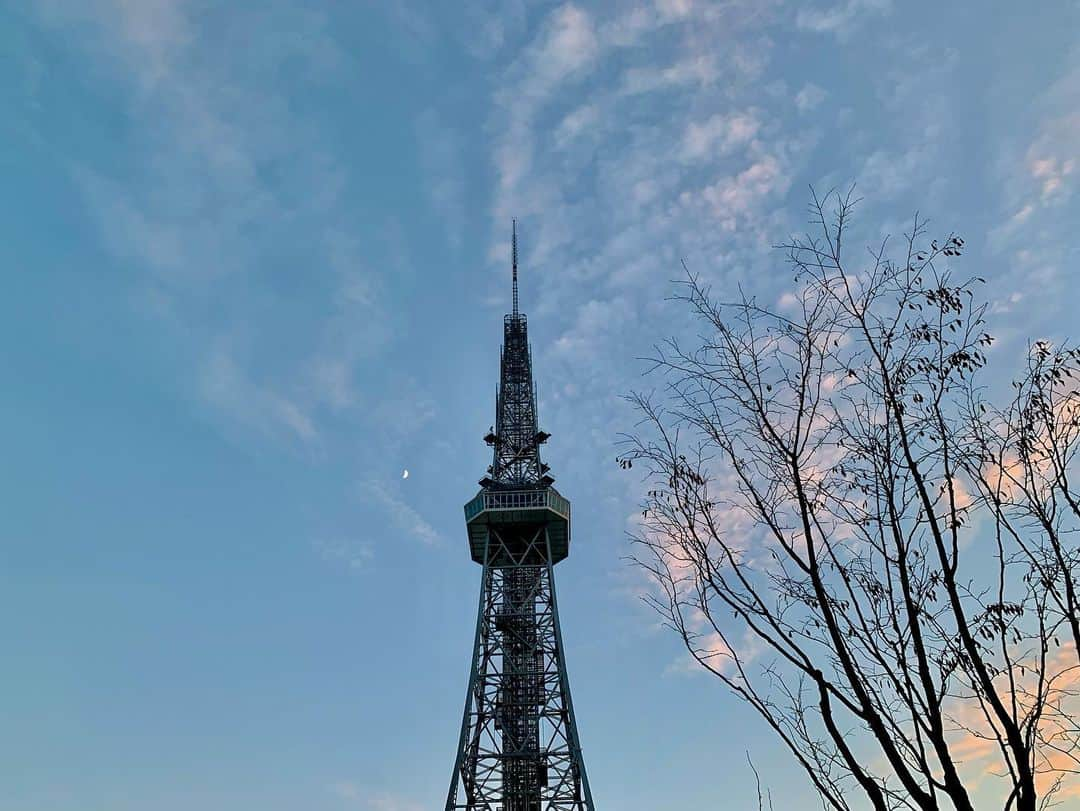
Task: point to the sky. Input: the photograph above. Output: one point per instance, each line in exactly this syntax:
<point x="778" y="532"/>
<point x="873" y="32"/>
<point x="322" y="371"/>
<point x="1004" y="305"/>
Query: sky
<point x="255" y="259"/>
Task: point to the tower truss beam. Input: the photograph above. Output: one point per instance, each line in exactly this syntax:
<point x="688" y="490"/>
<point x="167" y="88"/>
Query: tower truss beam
<point x="519" y="748"/>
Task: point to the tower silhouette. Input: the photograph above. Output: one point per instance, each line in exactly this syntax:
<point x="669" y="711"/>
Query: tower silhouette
<point x="519" y="747"/>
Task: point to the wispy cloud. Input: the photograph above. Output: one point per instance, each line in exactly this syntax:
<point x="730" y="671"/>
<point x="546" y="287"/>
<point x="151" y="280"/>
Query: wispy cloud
<point x="226" y="386"/>
<point x="1038" y="177"/>
<point x="219" y="173"/>
<point x="809" y="97"/>
<point x="442" y="155"/>
<point x="403" y="517"/>
<point x="372" y="800"/>
<point x="566" y="46"/>
<point x="651" y="143"/>
<point x="842" y="18"/>
<point x="352" y="553"/>
<point x="701" y="69"/>
<point x="719" y="134"/>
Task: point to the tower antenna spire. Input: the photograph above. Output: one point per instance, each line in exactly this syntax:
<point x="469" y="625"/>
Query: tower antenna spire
<point x="513" y="251"/>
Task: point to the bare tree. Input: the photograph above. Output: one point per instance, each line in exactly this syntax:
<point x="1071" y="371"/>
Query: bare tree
<point x="846" y="533"/>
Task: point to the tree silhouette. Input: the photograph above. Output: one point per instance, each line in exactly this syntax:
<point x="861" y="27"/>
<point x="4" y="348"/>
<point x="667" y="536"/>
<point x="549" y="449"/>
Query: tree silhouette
<point x="849" y="535"/>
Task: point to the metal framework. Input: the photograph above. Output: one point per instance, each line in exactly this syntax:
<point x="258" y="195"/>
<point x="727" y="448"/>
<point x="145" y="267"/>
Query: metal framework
<point x="516" y="439"/>
<point x="519" y="748"/>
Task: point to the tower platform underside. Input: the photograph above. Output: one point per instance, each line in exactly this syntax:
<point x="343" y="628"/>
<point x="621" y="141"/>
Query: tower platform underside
<point x="543" y="507"/>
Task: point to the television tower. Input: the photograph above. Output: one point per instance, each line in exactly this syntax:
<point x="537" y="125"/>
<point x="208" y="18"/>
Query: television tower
<point x="519" y="748"/>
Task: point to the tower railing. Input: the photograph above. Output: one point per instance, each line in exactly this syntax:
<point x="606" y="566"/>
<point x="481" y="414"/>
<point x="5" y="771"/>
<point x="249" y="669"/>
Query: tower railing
<point x="517" y="500"/>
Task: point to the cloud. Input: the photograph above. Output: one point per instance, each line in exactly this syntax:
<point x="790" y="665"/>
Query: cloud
<point x="581" y="340"/>
<point x="570" y="43"/>
<point x="575" y="123"/>
<point x="404" y="409"/>
<point x="887" y="173"/>
<point x="809" y="97"/>
<point x="368" y="800"/>
<point x="719" y="134"/>
<point x="842" y="18"/>
<point x="220" y="185"/>
<point x="733" y="199"/>
<point x="226" y="386"/>
<point x="1052" y="156"/>
<point x="442" y="156"/>
<point x="973" y="741"/>
<point x="919" y="106"/>
<point x="657" y="146"/>
<point x="1037" y="177"/>
<point x="151" y="32"/>
<point x="676" y="9"/>
<point x="696" y="70"/>
<point x="404" y="517"/>
<point x="566" y="46"/>
<point x="351" y="553"/>
<point x="1053" y="174"/>
<point x="710" y="650"/>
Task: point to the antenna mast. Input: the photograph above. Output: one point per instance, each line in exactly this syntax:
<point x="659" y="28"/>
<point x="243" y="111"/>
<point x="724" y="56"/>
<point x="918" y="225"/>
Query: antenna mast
<point x="513" y="243"/>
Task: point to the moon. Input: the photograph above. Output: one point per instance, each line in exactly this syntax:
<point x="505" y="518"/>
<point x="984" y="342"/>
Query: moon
<point x="405" y="473"/>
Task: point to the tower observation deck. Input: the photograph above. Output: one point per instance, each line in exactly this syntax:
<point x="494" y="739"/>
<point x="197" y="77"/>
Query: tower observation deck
<point x="519" y="748"/>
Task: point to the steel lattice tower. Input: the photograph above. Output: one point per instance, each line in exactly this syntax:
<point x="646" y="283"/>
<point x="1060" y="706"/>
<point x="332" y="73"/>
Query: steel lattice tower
<point x="519" y="748"/>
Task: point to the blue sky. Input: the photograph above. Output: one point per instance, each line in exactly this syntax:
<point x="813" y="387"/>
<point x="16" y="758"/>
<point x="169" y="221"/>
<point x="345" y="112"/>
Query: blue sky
<point x="256" y="258"/>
